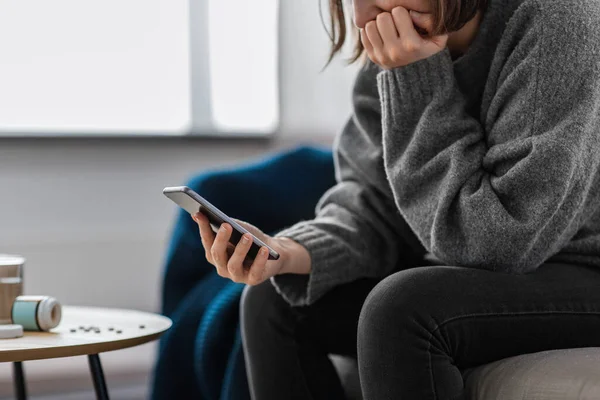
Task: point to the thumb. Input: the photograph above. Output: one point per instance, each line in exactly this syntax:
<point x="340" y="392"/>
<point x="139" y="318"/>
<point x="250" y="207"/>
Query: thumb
<point x="253" y="230"/>
<point x="423" y="21"/>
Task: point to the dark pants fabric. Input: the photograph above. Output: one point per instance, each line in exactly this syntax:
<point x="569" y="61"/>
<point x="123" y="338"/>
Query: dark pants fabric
<point x="417" y="332"/>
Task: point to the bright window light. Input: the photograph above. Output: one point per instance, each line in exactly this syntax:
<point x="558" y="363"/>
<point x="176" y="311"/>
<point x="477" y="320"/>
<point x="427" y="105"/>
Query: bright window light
<point x="243" y="60"/>
<point x="94" y="66"/>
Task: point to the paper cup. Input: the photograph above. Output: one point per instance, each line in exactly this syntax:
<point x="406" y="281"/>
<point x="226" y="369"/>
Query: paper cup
<point x="11" y="284"/>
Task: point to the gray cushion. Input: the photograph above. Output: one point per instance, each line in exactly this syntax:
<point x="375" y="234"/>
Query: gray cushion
<point x="572" y="374"/>
<point x="347" y="369"/>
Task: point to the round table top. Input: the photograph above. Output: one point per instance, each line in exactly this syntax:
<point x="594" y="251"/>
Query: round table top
<point x="86" y="330"/>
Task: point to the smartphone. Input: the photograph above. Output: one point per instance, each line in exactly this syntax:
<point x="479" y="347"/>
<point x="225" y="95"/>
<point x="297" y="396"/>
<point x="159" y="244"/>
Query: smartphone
<point x="193" y="203"/>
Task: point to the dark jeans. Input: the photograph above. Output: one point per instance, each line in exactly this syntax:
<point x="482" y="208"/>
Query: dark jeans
<point x="417" y="331"/>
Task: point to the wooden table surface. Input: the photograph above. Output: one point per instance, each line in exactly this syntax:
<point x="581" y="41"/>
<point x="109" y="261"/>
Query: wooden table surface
<point x="86" y="330"/>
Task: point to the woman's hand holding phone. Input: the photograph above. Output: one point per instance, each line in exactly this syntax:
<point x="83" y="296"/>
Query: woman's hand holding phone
<point x="231" y="262"/>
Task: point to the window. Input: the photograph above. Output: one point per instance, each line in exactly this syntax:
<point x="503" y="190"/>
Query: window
<point x="138" y="67"/>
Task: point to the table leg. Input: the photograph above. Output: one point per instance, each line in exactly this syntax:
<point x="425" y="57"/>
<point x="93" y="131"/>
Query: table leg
<point x="19" y="381"/>
<point x="98" y="377"/>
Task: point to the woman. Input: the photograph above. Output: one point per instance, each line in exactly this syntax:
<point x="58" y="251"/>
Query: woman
<point x="475" y="139"/>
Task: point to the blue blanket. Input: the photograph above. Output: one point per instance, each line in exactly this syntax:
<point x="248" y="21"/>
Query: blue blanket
<point x="201" y="356"/>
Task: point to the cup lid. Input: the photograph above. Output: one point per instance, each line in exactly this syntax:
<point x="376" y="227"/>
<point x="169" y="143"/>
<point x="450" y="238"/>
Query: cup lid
<point x="8" y="259"/>
<point x="11" y="331"/>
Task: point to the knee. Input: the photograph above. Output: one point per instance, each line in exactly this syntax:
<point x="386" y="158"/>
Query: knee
<point x="254" y="304"/>
<point x="262" y="310"/>
<point x="406" y="302"/>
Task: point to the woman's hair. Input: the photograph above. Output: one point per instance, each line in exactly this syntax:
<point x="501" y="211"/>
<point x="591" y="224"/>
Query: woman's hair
<point x="448" y="16"/>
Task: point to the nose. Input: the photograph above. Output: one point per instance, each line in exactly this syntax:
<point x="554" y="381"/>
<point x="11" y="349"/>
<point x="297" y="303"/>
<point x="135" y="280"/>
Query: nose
<point x="364" y="11"/>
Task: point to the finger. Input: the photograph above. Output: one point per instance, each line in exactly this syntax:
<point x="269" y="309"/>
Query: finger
<point x="404" y="23"/>
<point x="387" y="28"/>
<point x="373" y="35"/>
<point x="235" y="265"/>
<point x="206" y="235"/>
<point x="366" y="42"/>
<point x="219" y="250"/>
<point x="421" y="20"/>
<point x="257" y="271"/>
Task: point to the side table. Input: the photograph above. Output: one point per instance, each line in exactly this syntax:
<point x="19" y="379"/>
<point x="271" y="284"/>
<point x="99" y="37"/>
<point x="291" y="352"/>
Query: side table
<point x="83" y="331"/>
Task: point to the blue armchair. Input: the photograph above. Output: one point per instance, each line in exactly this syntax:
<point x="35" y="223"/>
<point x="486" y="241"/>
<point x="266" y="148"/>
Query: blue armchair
<point x="201" y="356"/>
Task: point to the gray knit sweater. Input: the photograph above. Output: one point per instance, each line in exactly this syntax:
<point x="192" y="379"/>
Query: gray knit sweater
<point x="490" y="161"/>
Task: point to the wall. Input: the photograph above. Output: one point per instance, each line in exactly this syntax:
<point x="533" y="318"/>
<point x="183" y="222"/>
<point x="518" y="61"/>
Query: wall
<point x="314" y="99"/>
<point x="89" y="215"/>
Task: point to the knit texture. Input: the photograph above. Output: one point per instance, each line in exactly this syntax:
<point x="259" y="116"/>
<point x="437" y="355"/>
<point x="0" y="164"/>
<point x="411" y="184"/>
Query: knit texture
<point x="489" y="161"/>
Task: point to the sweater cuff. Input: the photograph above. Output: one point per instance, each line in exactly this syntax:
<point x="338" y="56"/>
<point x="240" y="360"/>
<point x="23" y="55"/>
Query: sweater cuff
<point x="325" y="252"/>
<point x="417" y="83"/>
